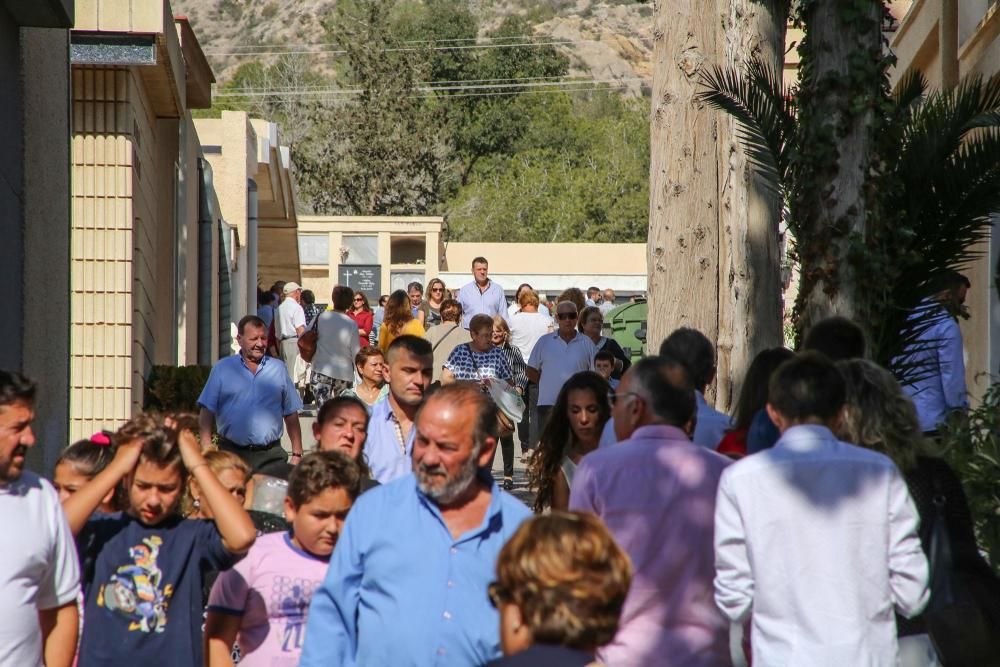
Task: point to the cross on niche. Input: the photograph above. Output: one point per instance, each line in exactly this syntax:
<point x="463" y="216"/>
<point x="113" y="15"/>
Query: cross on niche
<point x="347" y="276"/>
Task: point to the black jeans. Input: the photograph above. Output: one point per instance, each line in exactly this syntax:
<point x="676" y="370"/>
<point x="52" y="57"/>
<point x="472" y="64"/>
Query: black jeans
<point x="271" y="460"/>
<point x="506" y="447"/>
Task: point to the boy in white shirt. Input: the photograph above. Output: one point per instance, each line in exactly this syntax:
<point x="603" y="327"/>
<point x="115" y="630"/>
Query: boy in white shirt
<point x="816" y="539"/>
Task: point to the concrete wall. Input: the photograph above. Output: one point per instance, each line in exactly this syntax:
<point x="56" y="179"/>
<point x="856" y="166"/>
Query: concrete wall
<point x="45" y="345"/>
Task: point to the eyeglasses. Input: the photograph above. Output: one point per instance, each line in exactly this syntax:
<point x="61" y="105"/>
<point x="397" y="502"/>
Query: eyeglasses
<point x="437" y="289"/>
<point x="358" y="298"/>
<point x="566" y="316"/>
<point x="613" y="396"/>
<point x="498" y="595"/>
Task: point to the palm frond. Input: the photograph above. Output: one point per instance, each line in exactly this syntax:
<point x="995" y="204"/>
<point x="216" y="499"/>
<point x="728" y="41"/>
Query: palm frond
<point x="756" y="98"/>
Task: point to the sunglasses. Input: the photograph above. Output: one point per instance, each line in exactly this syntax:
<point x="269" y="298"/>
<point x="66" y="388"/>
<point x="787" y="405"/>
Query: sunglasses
<point x="566" y="316"/>
<point x="437" y="289"/>
<point x="358" y="298"/>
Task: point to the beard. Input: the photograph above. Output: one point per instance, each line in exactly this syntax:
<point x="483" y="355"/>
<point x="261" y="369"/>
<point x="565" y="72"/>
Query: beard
<point x="451" y="489"/>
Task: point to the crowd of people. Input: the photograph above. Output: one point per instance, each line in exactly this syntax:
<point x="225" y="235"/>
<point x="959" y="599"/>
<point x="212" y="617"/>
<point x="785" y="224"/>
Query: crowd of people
<point x="800" y="530"/>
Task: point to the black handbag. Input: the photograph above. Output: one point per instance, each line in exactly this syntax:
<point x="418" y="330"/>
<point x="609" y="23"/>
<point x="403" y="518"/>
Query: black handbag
<point x="962" y="617"/>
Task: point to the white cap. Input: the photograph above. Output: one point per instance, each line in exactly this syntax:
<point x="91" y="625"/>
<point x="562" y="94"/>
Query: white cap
<point x="291" y="287"/>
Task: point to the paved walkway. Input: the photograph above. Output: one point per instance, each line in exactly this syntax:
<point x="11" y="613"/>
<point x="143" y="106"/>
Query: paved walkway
<point x="520" y="469"/>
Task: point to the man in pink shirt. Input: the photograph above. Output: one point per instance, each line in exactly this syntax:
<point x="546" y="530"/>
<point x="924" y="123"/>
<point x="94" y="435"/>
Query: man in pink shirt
<point x="655" y="491"/>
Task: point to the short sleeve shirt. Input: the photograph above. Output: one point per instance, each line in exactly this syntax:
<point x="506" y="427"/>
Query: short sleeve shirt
<point x="249" y="407"/>
<point x="38" y="565"/>
<point x="557" y="361"/>
<point x="143" y="604"/>
<point x="468" y="364"/>
<point x="270" y="590"/>
<point x="291" y="315"/>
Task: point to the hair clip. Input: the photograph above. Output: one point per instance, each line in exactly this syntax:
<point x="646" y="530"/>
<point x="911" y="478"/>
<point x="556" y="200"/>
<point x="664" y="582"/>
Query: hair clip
<point x="101" y="438"/>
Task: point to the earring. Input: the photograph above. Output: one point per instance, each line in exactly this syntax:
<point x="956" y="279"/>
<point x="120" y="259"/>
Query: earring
<point x="196" y="504"/>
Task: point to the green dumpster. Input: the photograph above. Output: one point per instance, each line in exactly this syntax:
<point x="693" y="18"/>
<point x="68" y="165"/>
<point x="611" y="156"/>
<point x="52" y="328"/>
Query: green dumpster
<point x="623" y="322"/>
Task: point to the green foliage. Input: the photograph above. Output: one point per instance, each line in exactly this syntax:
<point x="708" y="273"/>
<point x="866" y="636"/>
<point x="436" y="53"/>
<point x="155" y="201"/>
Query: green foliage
<point x="933" y="182"/>
<point x="477" y="146"/>
<point x="385" y="150"/>
<point x="972" y="449"/>
<point x="175" y="388"/>
<point x="579" y="172"/>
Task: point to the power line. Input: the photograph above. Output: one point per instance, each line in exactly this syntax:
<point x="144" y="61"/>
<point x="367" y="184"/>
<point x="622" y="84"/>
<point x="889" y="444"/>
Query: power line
<point x="427" y="83"/>
<point x="432" y="89"/>
<point x="267" y="52"/>
<point x="409" y="41"/>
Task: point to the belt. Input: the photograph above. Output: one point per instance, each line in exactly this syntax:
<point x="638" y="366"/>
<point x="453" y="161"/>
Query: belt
<point x="251" y="448"/>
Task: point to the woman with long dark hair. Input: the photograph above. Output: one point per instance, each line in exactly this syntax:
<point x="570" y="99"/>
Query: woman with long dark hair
<point x="573" y="430"/>
<point x="361" y="313"/>
<point x="752" y="398"/>
<point x="398" y="320"/>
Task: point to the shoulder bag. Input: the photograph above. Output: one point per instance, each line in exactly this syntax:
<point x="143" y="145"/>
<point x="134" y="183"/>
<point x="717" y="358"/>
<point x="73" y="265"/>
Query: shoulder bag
<point x="309" y="340"/>
<point x="961" y="616"/>
<point x="505" y="425"/>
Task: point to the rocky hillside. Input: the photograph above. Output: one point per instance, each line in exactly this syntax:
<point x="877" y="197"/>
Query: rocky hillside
<point x="610" y="39"/>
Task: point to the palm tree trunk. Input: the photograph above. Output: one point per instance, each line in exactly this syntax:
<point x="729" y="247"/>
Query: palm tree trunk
<point x="836" y="116"/>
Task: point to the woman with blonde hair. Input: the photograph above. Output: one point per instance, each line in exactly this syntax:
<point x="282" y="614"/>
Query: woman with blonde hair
<point x="398" y="320"/>
<point x="232" y="472"/>
<point x="879" y="416"/>
<point x="561" y="584"/>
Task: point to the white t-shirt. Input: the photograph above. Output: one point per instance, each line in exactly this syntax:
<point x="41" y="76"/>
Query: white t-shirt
<point x="527" y="328"/>
<point x="39" y="568"/>
<point x="336" y="346"/>
<point x="290" y="316"/>
<point x="557" y="361"/>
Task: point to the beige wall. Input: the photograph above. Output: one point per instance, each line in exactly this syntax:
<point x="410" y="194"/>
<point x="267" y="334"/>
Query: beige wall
<point x="102" y="361"/>
<point x="134" y="229"/>
<point x="918" y="44"/>
<point x="550" y="267"/>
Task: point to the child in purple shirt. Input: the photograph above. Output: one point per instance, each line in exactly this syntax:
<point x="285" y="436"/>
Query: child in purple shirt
<point x="262" y="603"/>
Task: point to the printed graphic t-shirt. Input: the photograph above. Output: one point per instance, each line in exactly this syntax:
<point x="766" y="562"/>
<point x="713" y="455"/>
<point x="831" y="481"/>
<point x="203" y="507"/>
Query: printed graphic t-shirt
<point x="270" y="590"/>
<point x="143" y="597"/>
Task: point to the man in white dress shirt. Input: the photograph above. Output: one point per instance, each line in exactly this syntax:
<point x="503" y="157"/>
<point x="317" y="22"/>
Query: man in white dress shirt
<point x="815" y="539"/>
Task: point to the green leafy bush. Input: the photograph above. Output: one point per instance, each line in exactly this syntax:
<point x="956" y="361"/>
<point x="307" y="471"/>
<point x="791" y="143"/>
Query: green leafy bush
<point x="175" y="388"/>
<point x="972" y="448"/>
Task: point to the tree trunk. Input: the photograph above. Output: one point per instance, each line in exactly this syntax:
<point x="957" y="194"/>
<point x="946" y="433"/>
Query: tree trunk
<point x="749" y="254"/>
<point x="683" y="244"/>
<point x="836" y="115"/>
<point x="713" y="247"/>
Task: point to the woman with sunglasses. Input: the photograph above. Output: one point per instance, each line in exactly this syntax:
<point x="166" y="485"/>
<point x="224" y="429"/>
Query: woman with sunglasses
<point x="572" y="431"/>
<point x="561" y="585"/>
<point x="436" y="294"/>
<point x="361" y="313"/>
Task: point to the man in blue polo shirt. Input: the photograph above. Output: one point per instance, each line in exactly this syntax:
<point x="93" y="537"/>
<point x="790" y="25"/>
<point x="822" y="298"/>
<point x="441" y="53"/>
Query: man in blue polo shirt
<point x="247" y="397"/>
<point x="482" y="295"/>
<point x="407" y="582"/>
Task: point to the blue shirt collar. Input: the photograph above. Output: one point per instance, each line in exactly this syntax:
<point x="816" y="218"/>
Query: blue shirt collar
<point x="492" y="512"/>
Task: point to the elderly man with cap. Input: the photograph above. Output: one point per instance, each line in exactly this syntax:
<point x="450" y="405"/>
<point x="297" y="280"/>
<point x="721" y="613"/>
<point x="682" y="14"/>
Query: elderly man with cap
<point x="290" y="323"/>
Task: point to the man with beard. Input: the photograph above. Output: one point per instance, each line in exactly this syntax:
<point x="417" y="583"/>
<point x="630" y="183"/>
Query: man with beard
<point x="407" y="581"/>
<point x="247" y="396"/>
<point x="39" y="570"/>
<point x="389" y="447"/>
